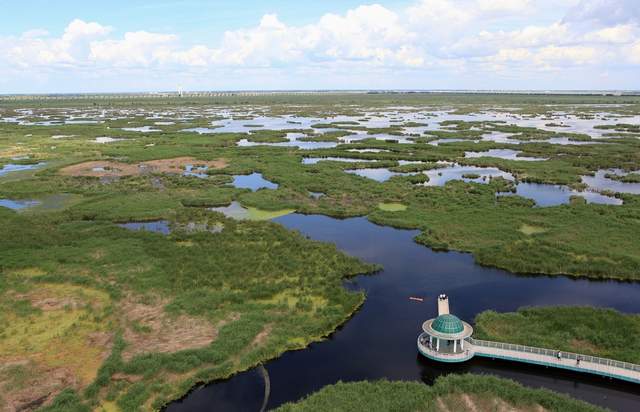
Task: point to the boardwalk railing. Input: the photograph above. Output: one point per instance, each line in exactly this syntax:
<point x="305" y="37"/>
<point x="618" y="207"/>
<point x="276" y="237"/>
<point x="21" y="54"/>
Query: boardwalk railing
<point x="477" y="343"/>
<point x="540" y="356"/>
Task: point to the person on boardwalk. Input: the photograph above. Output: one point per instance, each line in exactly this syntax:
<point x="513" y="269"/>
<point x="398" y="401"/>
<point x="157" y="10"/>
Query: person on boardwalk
<point x="559" y="355"/>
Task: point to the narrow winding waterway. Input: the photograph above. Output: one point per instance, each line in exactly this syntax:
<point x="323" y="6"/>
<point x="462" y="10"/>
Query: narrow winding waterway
<point x="380" y="340"/>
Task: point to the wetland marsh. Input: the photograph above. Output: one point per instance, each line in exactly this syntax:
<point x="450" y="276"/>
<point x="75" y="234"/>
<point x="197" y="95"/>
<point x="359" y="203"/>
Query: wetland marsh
<point x="153" y="244"/>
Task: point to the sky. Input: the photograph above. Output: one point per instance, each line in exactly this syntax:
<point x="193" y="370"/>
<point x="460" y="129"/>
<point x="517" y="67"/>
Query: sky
<point x="164" y="45"/>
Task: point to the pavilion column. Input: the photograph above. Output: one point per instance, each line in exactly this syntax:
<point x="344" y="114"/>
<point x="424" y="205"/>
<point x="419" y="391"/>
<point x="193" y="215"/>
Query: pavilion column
<point x="438" y="344"/>
<point x="455" y="345"/>
<point x="430" y="340"/>
<point x="462" y="344"/>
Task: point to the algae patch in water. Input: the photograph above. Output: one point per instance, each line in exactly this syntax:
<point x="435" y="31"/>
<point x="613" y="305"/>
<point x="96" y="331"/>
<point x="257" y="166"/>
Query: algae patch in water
<point x="531" y="230"/>
<point x="392" y="207"/>
<point x="236" y="211"/>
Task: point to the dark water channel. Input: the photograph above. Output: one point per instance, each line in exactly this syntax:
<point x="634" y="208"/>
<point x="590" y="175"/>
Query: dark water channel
<point x="380" y="340"/>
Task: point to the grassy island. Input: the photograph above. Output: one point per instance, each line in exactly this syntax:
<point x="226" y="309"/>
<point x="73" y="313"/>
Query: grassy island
<point x="449" y="393"/>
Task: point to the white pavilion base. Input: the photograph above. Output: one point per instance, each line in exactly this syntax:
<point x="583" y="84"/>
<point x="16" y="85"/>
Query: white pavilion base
<point x="444" y="354"/>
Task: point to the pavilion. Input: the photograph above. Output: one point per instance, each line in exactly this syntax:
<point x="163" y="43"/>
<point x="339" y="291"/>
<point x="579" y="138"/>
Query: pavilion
<point x="444" y="337"/>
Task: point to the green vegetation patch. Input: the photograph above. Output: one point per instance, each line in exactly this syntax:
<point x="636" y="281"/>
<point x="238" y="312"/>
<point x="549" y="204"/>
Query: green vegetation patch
<point x="628" y="178"/>
<point x="449" y="393"/>
<point x="586" y="330"/>
<point x="99" y="296"/>
<point x="471" y="176"/>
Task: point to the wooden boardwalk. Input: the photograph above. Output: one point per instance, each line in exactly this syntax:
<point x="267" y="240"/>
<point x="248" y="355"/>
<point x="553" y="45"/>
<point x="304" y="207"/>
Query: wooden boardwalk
<point x="589" y="364"/>
<point x="610" y="368"/>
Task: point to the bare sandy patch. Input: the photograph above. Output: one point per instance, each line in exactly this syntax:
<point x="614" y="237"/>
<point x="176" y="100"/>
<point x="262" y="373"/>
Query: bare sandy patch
<point x="440" y="406"/>
<point x="125" y="377"/>
<point x="262" y="337"/>
<point x="107" y="168"/>
<point x="47" y="304"/>
<point x="471" y="405"/>
<point x="177" y="164"/>
<point x="53" y="297"/>
<point x="101" y="168"/>
<point x="15" y="151"/>
<point x="43" y="385"/>
<point x="149" y="329"/>
<point x="480" y="403"/>
<point x="59" y="346"/>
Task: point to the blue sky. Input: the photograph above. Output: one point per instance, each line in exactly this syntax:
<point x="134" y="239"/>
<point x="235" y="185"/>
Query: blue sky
<point x="135" y="45"/>
<point x="191" y="18"/>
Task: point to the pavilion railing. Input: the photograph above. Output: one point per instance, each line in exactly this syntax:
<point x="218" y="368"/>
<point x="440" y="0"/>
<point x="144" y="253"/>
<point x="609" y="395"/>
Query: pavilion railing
<point x="464" y="353"/>
<point x="553" y="353"/>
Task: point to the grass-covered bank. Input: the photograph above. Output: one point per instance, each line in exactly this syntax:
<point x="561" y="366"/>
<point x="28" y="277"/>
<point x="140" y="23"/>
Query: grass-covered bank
<point x="449" y="393"/>
<point x="135" y="319"/>
<point x="586" y="330"/>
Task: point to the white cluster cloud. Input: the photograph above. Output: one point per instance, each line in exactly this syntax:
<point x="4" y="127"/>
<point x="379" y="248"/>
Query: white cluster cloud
<point x="138" y="48"/>
<point x="367" y="34"/>
<point x="35" y="47"/>
<point x="495" y="35"/>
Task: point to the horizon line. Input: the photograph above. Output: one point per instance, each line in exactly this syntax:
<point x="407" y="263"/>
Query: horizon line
<point x="212" y="93"/>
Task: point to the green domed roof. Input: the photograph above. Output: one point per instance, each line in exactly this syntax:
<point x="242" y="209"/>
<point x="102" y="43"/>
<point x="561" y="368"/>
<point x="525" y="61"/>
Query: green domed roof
<point x="447" y="324"/>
